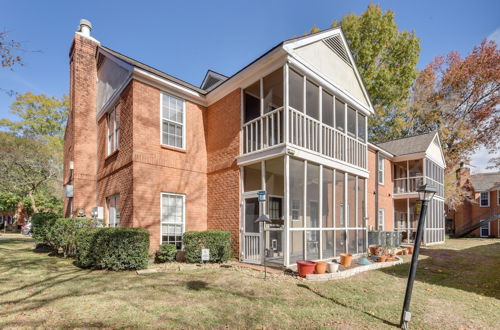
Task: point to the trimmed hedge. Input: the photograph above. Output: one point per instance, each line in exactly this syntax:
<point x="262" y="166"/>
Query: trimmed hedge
<point x="167" y="252"/>
<point x="63" y="234"/>
<point x="41" y="223"/>
<point x="113" y="248"/>
<point x="219" y="243"/>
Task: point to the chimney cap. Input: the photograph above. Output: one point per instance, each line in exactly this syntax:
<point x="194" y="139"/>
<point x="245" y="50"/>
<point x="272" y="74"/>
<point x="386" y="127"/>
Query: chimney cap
<point x="85" y="27"/>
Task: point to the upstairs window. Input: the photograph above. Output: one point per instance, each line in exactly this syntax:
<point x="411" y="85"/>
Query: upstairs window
<point x="351" y="121"/>
<point x="312" y="100"/>
<point x="484" y="198"/>
<point x="361" y="127"/>
<point x="172" y="126"/>
<point x="113" y="131"/>
<point x="339" y="115"/>
<point x="380" y="169"/>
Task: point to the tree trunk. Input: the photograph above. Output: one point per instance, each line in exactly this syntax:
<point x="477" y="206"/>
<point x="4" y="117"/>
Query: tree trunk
<point x="33" y="204"/>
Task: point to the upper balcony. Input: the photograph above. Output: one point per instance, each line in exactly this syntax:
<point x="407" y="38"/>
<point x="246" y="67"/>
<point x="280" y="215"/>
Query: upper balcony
<point x="410" y="174"/>
<point x="288" y="108"/>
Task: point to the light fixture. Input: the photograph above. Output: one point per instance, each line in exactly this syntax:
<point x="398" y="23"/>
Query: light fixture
<point x="426" y="192"/>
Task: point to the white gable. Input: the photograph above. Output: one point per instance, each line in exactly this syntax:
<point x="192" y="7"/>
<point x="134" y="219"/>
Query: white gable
<point x="111" y="76"/>
<point x="327" y="54"/>
<point x="435" y="153"/>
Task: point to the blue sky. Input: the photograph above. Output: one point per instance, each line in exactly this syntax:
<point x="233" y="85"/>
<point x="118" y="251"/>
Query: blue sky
<point x="185" y="38"/>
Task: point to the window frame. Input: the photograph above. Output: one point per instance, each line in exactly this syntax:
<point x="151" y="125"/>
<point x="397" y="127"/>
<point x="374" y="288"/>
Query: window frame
<point x="183" y="124"/>
<point x="116" y="222"/>
<point x="380" y="172"/>
<point x="381" y="215"/>
<point x="183" y="226"/>
<point x="115" y="134"/>
<point x="481" y="199"/>
<point x="498" y="197"/>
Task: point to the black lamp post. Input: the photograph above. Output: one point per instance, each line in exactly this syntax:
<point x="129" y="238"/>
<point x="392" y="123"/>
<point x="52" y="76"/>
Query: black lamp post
<point x="425" y="193"/>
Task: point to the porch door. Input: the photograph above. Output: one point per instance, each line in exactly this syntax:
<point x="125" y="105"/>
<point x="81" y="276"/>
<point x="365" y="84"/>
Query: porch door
<point x="251" y="231"/>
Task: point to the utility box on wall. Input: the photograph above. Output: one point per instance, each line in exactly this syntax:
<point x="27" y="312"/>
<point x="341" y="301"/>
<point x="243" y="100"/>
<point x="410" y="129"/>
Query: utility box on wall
<point x="98" y="212"/>
<point x="68" y="190"/>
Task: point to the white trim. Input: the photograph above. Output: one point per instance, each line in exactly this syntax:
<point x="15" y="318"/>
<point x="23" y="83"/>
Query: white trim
<point x="481" y="231"/>
<point x="381" y="215"/>
<point x="380" y="162"/>
<point x="480" y="199"/>
<point x="498" y="202"/>
<point x="184" y="143"/>
<point x="183" y="214"/>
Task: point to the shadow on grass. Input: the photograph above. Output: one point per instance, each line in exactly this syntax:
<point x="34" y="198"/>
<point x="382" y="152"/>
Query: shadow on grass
<point x="474" y="269"/>
<point x="316" y="292"/>
<point x="196" y="285"/>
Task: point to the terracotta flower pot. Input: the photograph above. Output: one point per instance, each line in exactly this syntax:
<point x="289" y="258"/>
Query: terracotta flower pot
<point x="320" y="267"/>
<point x="345" y="259"/>
<point x="382" y="258"/>
<point x="305" y="267"/>
<point x="410" y="249"/>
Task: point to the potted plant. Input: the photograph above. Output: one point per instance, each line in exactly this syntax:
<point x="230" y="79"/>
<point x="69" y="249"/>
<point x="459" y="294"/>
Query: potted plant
<point x="305" y="267"/>
<point x="333" y="266"/>
<point x="320" y="267"/>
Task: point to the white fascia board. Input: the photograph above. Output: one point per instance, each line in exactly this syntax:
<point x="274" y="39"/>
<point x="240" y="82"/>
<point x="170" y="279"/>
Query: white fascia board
<point x="382" y="151"/>
<point x="292" y="45"/>
<point x="169" y="86"/>
<point x="249" y="75"/>
<point x="419" y="155"/>
<point x="301" y="65"/>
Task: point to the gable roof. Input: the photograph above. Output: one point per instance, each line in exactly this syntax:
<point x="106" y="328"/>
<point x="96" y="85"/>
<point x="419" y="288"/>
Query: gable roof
<point x="409" y="145"/>
<point x="485" y="181"/>
<point x="211" y="80"/>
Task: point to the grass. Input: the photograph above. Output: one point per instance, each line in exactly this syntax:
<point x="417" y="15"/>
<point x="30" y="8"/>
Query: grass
<point x="457" y="287"/>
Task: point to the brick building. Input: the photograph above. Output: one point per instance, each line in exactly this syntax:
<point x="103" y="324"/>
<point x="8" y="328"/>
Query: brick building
<point x="479" y="212"/>
<point x="145" y="149"/>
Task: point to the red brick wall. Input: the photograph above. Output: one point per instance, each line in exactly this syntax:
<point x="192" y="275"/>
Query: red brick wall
<point x="80" y="137"/>
<point x="158" y="169"/>
<point x="223" y="173"/>
<point x="385" y="200"/>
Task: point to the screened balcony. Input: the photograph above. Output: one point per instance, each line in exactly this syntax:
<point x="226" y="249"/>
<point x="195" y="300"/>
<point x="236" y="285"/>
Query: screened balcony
<point x="288" y="108"/>
<point x="408" y="175"/>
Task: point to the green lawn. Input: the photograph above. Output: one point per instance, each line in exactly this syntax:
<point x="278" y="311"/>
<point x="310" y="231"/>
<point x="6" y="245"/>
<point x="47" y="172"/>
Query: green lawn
<point x="457" y="287"/>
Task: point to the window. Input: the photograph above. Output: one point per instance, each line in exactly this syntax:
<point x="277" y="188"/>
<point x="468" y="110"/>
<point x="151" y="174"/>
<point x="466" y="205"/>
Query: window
<point x="485" y="230"/>
<point x="339" y="114"/>
<point x="295" y="209"/>
<point x="327" y="108"/>
<point x="275" y="208"/>
<point x="312" y="100"/>
<point x="113" y="203"/>
<point x="498" y="197"/>
<point x="172" y="116"/>
<point x="380" y="169"/>
<point x="361" y="127"/>
<point x="172" y="219"/>
<point x="484" y="199"/>
<point x="381" y="219"/>
<point x="296" y="91"/>
<point x="113" y="131"/>
<point x="351" y="121"/>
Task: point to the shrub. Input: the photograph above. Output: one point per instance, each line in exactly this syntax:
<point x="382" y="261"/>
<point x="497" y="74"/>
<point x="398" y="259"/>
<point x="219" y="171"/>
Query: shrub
<point x="41" y="224"/>
<point x="63" y="233"/>
<point x="167" y="252"/>
<point x="219" y="243"/>
<point x="113" y="248"/>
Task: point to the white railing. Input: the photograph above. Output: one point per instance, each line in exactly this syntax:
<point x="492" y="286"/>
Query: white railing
<point x="251" y="251"/>
<point x="305" y="132"/>
<point x="263" y="132"/>
<point x="407" y="185"/>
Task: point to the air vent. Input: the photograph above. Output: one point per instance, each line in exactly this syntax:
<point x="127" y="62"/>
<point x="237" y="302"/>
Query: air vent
<point x="210" y="82"/>
<point x="336" y="44"/>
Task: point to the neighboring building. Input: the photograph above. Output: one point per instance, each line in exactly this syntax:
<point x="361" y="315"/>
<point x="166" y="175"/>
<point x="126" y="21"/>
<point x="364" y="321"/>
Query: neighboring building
<point x="399" y="167"/>
<point x="479" y="213"/>
<point x="158" y="153"/>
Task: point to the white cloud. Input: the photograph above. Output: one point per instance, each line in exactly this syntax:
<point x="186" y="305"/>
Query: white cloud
<point x="495" y="36"/>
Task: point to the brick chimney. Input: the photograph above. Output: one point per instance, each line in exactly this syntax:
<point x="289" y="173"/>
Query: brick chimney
<point x="80" y="140"/>
<point x="462" y="174"/>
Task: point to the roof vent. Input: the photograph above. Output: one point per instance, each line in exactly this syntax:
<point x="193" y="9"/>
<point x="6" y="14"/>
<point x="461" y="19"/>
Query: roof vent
<point x="336" y="44"/>
<point x="85" y="27"/>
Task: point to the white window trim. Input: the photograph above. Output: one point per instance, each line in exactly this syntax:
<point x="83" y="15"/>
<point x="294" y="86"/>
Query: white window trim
<point x="115" y="133"/>
<point x="381" y="178"/>
<point x="488" y="205"/>
<point x="183" y="121"/>
<point x="183" y="215"/>
<point x="381" y="216"/>
<point x="481" y="230"/>
<point x="498" y="198"/>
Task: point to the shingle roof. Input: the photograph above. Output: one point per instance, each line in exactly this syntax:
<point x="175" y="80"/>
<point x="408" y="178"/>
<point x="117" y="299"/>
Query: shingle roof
<point x="408" y="145"/>
<point x="485" y="181"/>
